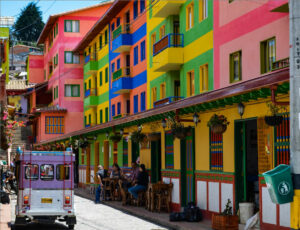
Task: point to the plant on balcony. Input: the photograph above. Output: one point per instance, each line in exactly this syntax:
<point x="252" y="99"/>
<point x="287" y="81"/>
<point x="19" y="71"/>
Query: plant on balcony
<point x="225" y="220"/>
<point x="218" y="123"/>
<point x="138" y="137"/>
<point x="275" y="118"/>
<point x="115" y="137"/>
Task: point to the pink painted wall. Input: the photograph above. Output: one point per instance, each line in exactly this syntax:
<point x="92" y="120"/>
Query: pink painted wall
<point x="242" y="25"/>
<point x="35" y="68"/>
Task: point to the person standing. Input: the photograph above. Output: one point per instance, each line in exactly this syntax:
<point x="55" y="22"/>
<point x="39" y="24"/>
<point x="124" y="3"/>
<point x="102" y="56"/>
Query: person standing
<point x="100" y="175"/>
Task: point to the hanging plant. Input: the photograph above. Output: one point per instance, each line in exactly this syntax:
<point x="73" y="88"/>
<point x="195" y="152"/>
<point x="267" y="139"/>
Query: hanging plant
<point x="155" y="136"/>
<point x="83" y="144"/>
<point x="218" y="123"/>
<point x="177" y="129"/>
<point x="115" y="137"/>
<point x="138" y="137"/>
<point x="275" y="118"/>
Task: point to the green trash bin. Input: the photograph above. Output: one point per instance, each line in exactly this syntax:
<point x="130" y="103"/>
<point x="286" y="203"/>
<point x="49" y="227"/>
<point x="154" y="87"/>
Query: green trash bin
<point x="279" y="184"/>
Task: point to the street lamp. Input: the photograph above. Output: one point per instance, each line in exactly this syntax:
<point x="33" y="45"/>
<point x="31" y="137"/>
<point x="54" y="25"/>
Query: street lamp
<point x="241" y="109"/>
<point x="196" y="118"/>
<point x="163" y="123"/>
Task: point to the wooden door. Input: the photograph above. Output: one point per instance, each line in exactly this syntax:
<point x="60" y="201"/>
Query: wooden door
<point x="88" y="164"/>
<point x="106" y="155"/>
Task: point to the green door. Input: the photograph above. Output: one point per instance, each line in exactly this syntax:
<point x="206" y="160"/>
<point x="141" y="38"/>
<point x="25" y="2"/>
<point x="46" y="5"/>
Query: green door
<point x="155" y="161"/>
<point x="187" y="169"/>
<point x="135" y="151"/>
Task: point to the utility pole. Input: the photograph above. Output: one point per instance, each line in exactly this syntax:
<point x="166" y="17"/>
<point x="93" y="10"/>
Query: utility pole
<point x="294" y="14"/>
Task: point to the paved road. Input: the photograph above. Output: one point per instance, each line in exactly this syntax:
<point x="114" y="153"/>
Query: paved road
<point x="97" y="217"/>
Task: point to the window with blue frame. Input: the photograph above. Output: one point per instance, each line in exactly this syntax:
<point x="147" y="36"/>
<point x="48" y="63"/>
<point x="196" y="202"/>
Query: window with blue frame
<point x="143" y="53"/>
<point x="113" y="67"/>
<point x="118" y="22"/>
<point x="136" y="104"/>
<point x="118" y="64"/>
<point x="113" y="110"/>
<point x="143" y="101"/>
<point x="113" y="27"/>
<point x="54" y="125"/>
<point x="119" y="108"/>
<point x="136" y="55"/>
<point x="135" y="9"/>
<point x="142" y="6"/>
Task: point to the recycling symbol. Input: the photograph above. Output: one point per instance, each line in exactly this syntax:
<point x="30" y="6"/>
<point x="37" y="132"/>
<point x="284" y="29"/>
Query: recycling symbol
<point x="284" y="188"/>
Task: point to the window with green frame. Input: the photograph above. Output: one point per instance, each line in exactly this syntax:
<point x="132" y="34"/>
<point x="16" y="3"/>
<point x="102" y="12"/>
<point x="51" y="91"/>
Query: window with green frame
<point x="125" y="153"/>
<point x="71" y="58"/>
<point x="106" y="37"/>
<point x="45" y="76"/>
<point x="72" y="90"/>
<point x="101" y="116"/>
<point x="106" y="75"/>
<point x="72" y="26"/>
<point x="100" y="42"/>
<point x="169" y="150"/>
<point x="84" y="120"/>
<point x="90" y="118"/>
<point x="106" y="114"/>
<point x="100" y="78"/>
<point x="267" y="55"/>
<point x="236" y="66"/>
<point x="54" y="125"/>
<point x="55" y="92"/>
<point x="90" y="83"/>
<point x="216" y="151"/>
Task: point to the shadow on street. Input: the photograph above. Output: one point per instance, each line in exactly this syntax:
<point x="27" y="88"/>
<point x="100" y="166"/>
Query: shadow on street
<point x="35" y="226"/>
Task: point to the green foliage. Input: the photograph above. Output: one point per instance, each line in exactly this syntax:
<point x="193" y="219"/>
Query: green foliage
<point x="138" y="137"/>
<point x="228" y="209"/>
<point x="217" y="120"/>
<point x="29" y="24"/>
<point x="275" y="109"/>
<point x="115" y="137"/>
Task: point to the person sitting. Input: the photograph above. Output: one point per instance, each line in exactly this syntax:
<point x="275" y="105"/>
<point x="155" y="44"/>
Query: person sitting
<point x="116" y="172"/>
<point x="100" y="175"/>
<point x="141" y="182"/>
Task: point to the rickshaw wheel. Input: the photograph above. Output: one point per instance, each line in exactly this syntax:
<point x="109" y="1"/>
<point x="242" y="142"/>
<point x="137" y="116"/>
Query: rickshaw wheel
<point x="71" y="226"/>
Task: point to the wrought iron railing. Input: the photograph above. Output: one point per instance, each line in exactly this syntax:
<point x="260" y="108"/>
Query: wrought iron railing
<point x="280" y="64"/>
<point x="170" y="40"/>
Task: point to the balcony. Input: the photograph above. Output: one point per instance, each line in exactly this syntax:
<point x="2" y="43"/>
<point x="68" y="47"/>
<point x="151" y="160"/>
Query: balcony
<point x="90" y="98"/>
<point x="166" y="101"/>
<point x="90" y="125"/>
<point x="280" y="64"/>
<point x="163" y="8"/>
<point x="168" y="53"/>
<point x="120" y="116"/>
<point x="122" y="39"/>
<point x="122" y="84"/>
<point x="91" y="65"/>
<point x="123" y="72"/>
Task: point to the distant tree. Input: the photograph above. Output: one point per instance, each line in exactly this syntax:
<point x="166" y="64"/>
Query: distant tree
<point x="29" y="24"/>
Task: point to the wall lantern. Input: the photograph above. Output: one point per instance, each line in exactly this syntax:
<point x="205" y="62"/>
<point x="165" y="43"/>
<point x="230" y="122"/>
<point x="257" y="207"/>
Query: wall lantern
<point x="163" y="123"/>
<point x="140" y="128"/>
<point x="95" y="138"/>
<point x="241" y="109"/>
<point x="107" y="134"/>
<point x="121" y="132"/>
<point x="196" y="118"/>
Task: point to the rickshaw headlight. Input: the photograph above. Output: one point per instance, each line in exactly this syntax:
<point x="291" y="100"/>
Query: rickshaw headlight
<point x="26" y="199"/>
<point x="67" y="199"/>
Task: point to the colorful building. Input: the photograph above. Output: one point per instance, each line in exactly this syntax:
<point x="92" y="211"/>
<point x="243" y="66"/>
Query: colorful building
<point x="202" y="57"/>
<point x="4" y="51"/>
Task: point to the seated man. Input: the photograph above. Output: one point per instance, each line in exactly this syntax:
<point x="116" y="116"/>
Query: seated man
<point x="129" y="181"/>
<point x="141" y="182"/>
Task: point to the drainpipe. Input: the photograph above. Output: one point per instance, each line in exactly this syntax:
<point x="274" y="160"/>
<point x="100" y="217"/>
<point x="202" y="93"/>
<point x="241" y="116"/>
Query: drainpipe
<point x="273" y="97"/>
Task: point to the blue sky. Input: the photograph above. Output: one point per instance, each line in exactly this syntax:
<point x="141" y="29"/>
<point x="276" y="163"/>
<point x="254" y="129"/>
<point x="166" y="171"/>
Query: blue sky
<point x="48" y="7"/>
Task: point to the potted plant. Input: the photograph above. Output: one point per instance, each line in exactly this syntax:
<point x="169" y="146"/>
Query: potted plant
<point x="177" y="129"/>
<point x="275" y="119"/>
<point x="225" y="220"/>
<point x="154" y="136"/>
<point x="218" y="123"/>
<point x="138" y="137"/>
<point x="115" y="137"/>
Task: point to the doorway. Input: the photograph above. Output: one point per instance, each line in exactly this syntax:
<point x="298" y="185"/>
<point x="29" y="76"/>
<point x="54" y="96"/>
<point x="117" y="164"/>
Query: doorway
<point x="106" y="155"/>
<point x="155" y="161"/>
<point x="246" y="162"/>
<point x="135" y="151"/>
<point x="127" y="64"/>
<point x="127" y="22"/>
<point x="187" y="159"/>
<point x="88" y="165"/>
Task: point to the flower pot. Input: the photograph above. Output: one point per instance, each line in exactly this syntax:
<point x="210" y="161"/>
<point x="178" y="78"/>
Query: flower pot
<point x="154" y="136"/>
<point x="246" y="211"/>
<point x="273" y="120"/>
<point x="116" y="138"/>
<point x="225" y="222"/>
<point x="218" y="128"/>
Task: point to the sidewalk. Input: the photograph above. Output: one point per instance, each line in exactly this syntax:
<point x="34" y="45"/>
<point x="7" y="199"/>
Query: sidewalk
<point x="5" y="216"/>
<point x="158" y="218"/>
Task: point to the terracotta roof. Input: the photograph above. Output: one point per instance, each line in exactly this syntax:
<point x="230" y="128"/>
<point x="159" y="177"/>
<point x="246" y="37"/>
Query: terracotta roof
<point x="18" y="85"/>
<point x="101" y="23"/>
<point x="52" y="19"/>
<point x="51" y="109"/>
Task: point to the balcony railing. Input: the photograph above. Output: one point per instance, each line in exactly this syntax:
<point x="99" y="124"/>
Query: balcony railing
<point x="123" y="72"/>
<point x="89" y="125"/>
<point x="90" y="57"/>
<point x="280" y="64"/>
<point x="120" y="116"/>
<point x="170" y="40"/>
<point x="121" y="29"/>
<point x="90" y="92"/>
<point x="166" y="101"/>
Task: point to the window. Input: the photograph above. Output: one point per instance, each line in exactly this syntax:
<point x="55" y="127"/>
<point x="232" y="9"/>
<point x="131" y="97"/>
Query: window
<point x="119" y="108"/>
<point x="100" y="78"/>
<point x="135" y="9"/>
<point x="47" y="172"/>
<point x="162" y="90"/>
<point x="162" y="32"/>
<point x="153" y="94"/>
<point x="236" y="66"/>
<point x="169" y="150"/>
<point x="106" y="37"/>
<point x="216" y="151"/>
<point x="189" y="16"/>
<point x="106" y="114"/>
<point x="72" y="90"/>
<point x="142" y="6"/>
<point x="136" y="55"/>
<point x="143" y="101"/>
<point x="100" y="42"/>
<point x="136" y="104"/>
<point x="118" y="21"/>
<point x="101" y="116"/>
<point x="113" y="26"/>
<point x="267" y="55"/>
<point x="31" y="172"/>
<point x="106" y="75"/>
<point x="118" y="64"/>
<point x="55" y="93"/>
<point x="113" y="67"/>
<point x="153" y="41"/>
<point x="203" y="75"/>
<point x="54" y="125"/>
<point x="113" y="110"/>
<point x="190" y="83"/>
<point x="90" y="119"/>
<point x="203" y="9"/>
<point x="90" y="83"/>
<point x="62" y="172"/>
<point x="143" y="53"/>
<point x="71" y="58"/>
<point x="72" y="26"/>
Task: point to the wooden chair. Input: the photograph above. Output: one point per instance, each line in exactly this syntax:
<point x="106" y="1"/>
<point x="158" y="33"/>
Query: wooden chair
<point x="164" y="197"/>
<point x="107" y="189"/>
